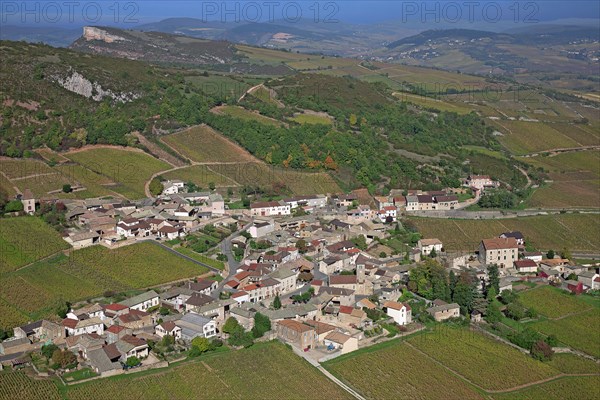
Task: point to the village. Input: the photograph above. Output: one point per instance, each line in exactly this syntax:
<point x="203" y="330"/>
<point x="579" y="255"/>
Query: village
<point x="307" y="270"/>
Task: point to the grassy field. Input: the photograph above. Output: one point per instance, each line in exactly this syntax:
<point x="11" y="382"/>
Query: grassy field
<point x="264" y="371"/>
<point x="481" y="359"/>
<point x="575" y="231"/>
<point x="203" y="144"/>
<point x="242" y="113"/>
<point x="89" y="272"/>
<point x="312" y="119"/>
<point x="130" y="170"/>
<point x="552" y="302"/>
<point x="579" y="331"/>
<point x="21" y="168"/>
<point x="394" y="370"/>
<point x="579" y="387"/>
<point x="428" y="102"/>
<point x="25" y="240"/>
<point x="572" y="364"/>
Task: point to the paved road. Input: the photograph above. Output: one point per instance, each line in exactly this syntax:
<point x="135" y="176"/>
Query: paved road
<point x="226" y="248"/>
<point x="494" y="214"/>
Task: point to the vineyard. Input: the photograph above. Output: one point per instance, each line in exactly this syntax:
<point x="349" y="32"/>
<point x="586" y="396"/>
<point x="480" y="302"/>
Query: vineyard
<point x="552" y="302"/>
<point x="572" y="364"/>
<point x="481" y="359"/>
<point x="128" y="169"/>
<point x="577" y="232"/>
<point x="264" y="371"/>
<point x="39" y="288"/>
<point x="17" y="385"/>
<point x="242" y="113"/>
<point x="203" y="144"/>
<point x="25" y="240"/>
<point x="398" y="372"/>
<point x="579" y="387"/>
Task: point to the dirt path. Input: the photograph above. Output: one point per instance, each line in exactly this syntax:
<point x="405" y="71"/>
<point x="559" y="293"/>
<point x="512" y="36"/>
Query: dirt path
<point x="557" y="151"/>
<point x="102" y="146"/>
<point x="526" y="176"/>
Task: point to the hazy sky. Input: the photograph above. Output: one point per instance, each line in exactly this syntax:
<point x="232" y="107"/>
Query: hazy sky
<point x="462" y="13"/>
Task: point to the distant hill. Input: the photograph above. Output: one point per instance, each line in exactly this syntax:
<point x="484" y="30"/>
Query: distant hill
<point x="53" y="36"/>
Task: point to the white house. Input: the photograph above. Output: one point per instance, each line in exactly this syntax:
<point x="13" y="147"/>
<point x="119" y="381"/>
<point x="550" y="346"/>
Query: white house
<point x="480" y="182"/>
<point x="526" y="266"/>
<point x="76" y="327"/>
<point x="590" y="279"/>
<point x="193" y="325"/>
<point x="172" y="187"/>
<point x="28" y="201"/>
<point x="443" y="311"/>
<point x="261" y="228"/>
<point x="412" y="203"/>
<point x="401" y="313"/>
<point x="143" y="301"/>
<point x="387" y="212"/>
<point x="168" y="328"/>
<point x="518" y="236"/>
<point x="269" y="208"/>
<point x="427" y="245"/>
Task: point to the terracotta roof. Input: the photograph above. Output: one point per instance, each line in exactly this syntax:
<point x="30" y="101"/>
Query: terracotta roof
<point x="430" y="242"/>
<point x="133" y="340"/>
<point x="27" y="195"/>
<point x="499" y="243"/>
<point x="337" y="337"/>
<point x="115" y="328"/>
<point x="115" y="307"/>
<point x="239" y="294"/>
<point x="70" y="323"/>
<point x="394" y="305"/>
<point x="295" y="325"/>
<point x="111" y="351"/>
<point x="346" y="309"/>
<point x="525" y="263"/>
<point x="342" y="279"/>
<point x="168" y="326"/>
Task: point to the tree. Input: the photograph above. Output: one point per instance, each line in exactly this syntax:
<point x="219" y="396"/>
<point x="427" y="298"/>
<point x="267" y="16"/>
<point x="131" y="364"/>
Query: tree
<point x="239" y="337"/>
<point x="430" y="280"/>
<point x="552" y="340"/>
<point x="491" y="294"/>
<point x="48" y="350"/>
<point x="168" y="341"/>
<point x="382" y="254"/>
<point x="276" y="303"/>
<point x="353" y="119"/>
<point x="155" y="187"/>
<point x="508" y="296"/>
<point x="360" y="241"/>
<point x="230" y="325"/>
<point x="132" y="361"/>
<point x="67" y="188"/>
<point x="302" y="246"/>
<point x="542" y="351"/>
<point x="13" y="206"/>
<point x="452" y="281"/>
<point x="550" y="254"/>
<point x="494" y="277"/>
<point x="515" y="311"/>
<point x="202" y="344"/>
<point x="63" y="358"/>
<point x="464" y="292"/>
<point x="164" y="311"/>
<point x="572" y="276"/>
<point x="211" y="186"/>
<point x="565" y="253"/>
<point x="262" y="324"/>
<point x="62" y="309"/>
<point x="493" y="313"/>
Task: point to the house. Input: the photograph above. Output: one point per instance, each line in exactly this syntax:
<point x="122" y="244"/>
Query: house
<point x="426" y="246"/>
<point x="480" y="182"/>
<point x="401" y="313"/>
<point x="15" y="345"/>
<point x="390" y="293"/>
<point x="204" y="286"/>
<point x="82" y="344"/>
<point x="197" y="300"/>
<point x="269" y="208"/>
<point x="176" y="297"/>
<point x="343" y="281"/>
<point x="446" y="202"/>
<point x="574" y="287"/>
<point x="135" y="319"/>
<point x="589" y="279"/>
<point x="338" y="340"/>
<point x="261" y="228"/>
<point x="388" y="213"/>
<point x="322" y="329"/>
<point x="143" y="301"/>
<point x="193" y="325"/>
<point x="75" y="327"/>
<point x="296" y="333"/>
<point x="533" y="255"/>
<point x="443" y="311"/>
<point x="518" y="236"/>
<point x="501" y="251"/>
<point x="28" y="201"/>
<point x="88" y="311"/>
<point x="80" y="240"/>
<point x="101" y="363"/>
<point x="168" y="328"/>
<point x="41" y="330"/>
<point x="314" y="201"/>
<point x="244" y="317"/>
<point x="131" y="346"/>
<point x="412" y="203"/>
<point x="132" y="227"/>
<point x="116" y="332"/>
<point x="172" y="187"/>
<point x="352" y="316"/>
<point x="525" y="266"/>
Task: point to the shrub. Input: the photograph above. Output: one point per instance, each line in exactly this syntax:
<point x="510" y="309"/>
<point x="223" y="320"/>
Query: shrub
<point x="541" y="351"/>
<point x="132" y="361"/>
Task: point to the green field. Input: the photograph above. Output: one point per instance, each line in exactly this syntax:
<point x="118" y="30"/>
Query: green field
<point x="394" y="370"/>
<point x="312" y="119"/>
<point x="579" y="331"/>
<point x="576" y="388"/>
<point x="572" y="364"/>
<point x="484" y="361"/>
<point x="552" y="302"/>
<point x="24" y="240"/>
<point x="86" y="273"/>
<point x="247" y="115"/>
<point x="264" y="371"/>
<point x="203" y="144"/>
<point x="575" y="231"/>
<point x="130" y="170"/>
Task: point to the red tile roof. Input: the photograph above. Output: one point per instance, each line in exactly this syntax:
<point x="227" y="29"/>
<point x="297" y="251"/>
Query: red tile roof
<point x="115" y="328"/>
<point x="70" y="323"/>
<point x="342" y="279"/>
<point x="115" y="307"/>
<point x="346" y="309"/>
